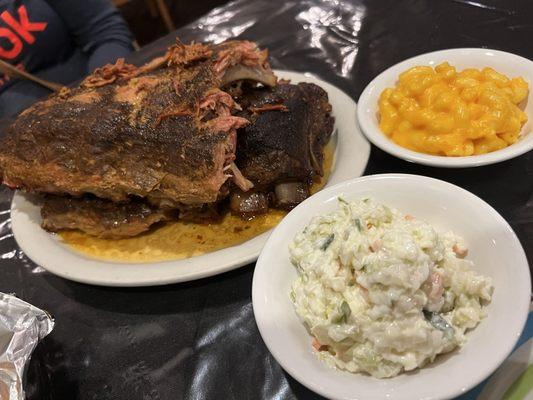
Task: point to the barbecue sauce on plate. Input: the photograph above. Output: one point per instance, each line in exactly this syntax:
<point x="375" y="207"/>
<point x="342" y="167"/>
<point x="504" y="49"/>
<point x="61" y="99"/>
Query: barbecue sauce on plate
<point x="178" y="239"/>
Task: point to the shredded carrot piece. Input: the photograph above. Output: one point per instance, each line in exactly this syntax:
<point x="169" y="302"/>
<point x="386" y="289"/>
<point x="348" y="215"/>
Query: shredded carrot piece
<point x="317" y="346"/>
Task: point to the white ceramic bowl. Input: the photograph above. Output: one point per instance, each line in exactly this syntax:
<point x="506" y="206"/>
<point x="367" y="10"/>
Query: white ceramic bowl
<point x="493" y="247"/>
<point x="507" y="63"/>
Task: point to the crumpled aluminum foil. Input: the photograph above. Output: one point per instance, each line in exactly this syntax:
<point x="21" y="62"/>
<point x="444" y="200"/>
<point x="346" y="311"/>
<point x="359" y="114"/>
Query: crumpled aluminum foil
<point x="21" y="327"/>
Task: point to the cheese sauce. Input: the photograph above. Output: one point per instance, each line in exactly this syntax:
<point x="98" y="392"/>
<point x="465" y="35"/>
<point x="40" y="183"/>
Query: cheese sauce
<point x="178" y="239"/>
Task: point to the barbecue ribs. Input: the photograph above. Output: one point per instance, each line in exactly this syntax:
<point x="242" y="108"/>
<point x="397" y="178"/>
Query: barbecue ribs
<point x="200" y="129"/>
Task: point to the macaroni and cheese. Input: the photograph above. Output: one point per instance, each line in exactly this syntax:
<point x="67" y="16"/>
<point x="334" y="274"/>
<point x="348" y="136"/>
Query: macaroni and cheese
<point x="442" y="111"/>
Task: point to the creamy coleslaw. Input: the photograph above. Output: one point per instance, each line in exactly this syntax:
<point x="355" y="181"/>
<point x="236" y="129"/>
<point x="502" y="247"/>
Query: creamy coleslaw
<point x="382" y="292"/>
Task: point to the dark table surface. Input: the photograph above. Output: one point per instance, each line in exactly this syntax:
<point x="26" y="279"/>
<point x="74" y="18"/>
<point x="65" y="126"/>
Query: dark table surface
<point x="199" y="340"/>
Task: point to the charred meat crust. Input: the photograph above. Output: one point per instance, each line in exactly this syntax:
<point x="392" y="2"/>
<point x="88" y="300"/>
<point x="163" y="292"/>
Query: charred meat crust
<point x="98" y="217"/>
<point x="110" y="220"/>
<point x="281" y="190"/>
<point x="320" y="124"/>
<point x="133" y="131"/>
<point x="282" y="150"/>
<point x="290" y="125"/>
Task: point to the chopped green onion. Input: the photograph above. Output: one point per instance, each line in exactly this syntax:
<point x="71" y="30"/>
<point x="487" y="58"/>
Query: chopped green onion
<point x="327" y="242"/>
<point x="439" y="323"/>
<point x="345" y="312"/>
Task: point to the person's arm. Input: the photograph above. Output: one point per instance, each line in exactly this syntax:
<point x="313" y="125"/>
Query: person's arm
<point x="97" y="28"/>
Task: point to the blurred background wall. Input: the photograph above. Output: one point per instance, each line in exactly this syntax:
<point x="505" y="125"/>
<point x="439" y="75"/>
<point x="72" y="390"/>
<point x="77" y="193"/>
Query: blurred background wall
<point x="151" y="19"/>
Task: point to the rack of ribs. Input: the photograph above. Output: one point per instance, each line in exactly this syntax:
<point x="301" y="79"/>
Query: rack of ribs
<point x="133" y="146"/>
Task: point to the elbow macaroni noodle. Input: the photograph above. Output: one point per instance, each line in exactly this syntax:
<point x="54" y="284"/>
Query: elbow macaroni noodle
<point x="444" y="112"/>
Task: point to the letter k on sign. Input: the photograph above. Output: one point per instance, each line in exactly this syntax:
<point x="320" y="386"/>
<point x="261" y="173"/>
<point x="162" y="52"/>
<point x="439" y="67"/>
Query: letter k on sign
<point x="23" y="27"/>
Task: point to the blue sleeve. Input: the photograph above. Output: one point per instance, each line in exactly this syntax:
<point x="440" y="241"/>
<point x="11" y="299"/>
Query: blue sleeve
<point x="97" y="27"/>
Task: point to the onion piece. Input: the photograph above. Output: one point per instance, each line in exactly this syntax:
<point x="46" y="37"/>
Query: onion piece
<point x="249" y="203"/>
<point x="290" y="194"/>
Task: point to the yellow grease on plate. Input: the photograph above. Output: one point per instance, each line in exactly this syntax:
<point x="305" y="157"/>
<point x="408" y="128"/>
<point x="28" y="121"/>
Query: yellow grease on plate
<point x="177" y="240"/>
<point x="174" y="240"/>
